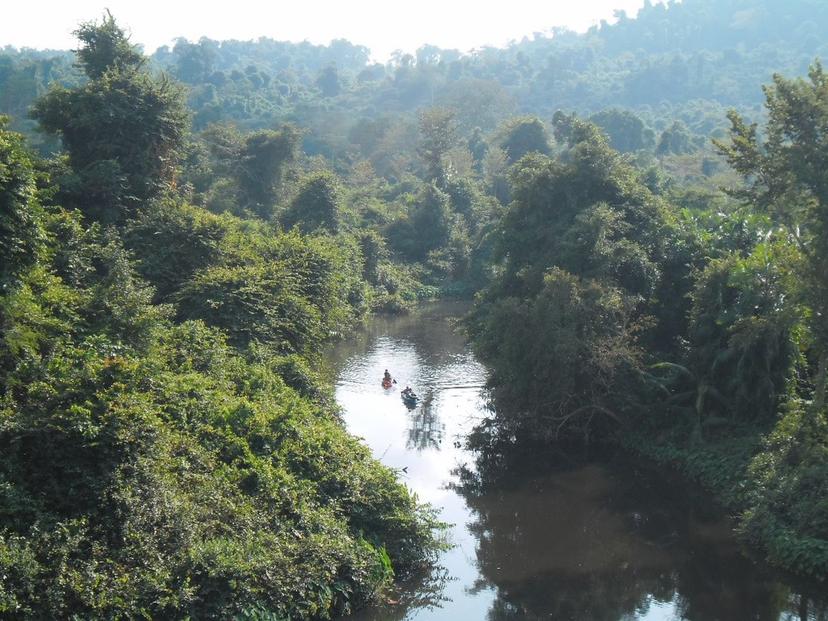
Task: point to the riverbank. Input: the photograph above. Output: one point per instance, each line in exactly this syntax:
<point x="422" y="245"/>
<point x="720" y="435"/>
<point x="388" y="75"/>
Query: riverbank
<point x="773" y="480"/>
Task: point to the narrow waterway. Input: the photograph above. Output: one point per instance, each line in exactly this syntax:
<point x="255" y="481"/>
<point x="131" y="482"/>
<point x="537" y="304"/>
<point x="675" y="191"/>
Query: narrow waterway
<point x="577" y="538"/>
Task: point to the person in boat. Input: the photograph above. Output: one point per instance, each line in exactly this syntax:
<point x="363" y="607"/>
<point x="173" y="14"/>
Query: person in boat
<point x="386" y="377"/>
<point x="407" y="392"/>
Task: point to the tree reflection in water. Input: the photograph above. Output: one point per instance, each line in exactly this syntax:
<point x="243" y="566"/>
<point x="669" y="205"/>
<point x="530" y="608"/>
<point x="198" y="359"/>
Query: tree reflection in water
<point x="421" y="592"/>
<point x="425" y="430"/>
<point x="608" y="541"/>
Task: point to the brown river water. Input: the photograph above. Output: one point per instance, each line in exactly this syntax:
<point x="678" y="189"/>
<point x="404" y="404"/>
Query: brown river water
<point x="572" y="538"/>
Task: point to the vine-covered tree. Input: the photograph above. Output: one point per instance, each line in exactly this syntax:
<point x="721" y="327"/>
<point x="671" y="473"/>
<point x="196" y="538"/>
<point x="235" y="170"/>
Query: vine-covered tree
<point x="105" y="46"/>
<point x="626" y="131"/>
<point x="123" y="130"/>
<point x="579" y="250"/>
<point x="316" y="206"/>
<point x="264" y="156"/>
<point x="21" y="230"/>
<point x="438" y="135"/>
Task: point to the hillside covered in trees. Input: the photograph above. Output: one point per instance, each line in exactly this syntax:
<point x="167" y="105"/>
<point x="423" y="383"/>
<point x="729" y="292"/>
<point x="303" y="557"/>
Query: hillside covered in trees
<point x="643" y="229"/>
<point x="167" y="448"/>
<point x="682" y="61"/>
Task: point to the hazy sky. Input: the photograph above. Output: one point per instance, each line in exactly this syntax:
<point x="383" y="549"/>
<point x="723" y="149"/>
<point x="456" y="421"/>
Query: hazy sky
<point x="383" y="26"/>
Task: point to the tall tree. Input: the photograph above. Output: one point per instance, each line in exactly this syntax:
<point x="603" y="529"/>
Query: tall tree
<point x="785" y="176"/>
<point x="560" y="324"/>
<point x="329" y="82"/>
<point x="104" y="46"/>
<point x="124" y="130"/>
<point x="438" y="135"/>
<point x="626" y="132"/>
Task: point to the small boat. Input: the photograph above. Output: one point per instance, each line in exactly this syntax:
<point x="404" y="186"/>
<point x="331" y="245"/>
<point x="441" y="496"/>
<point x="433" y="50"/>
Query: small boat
<point x="409" y="398"/>
<point x="387" y="383"/>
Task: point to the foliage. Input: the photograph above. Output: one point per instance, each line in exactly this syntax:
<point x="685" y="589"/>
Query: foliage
<point x="565" y="357"/>
<point x="169" y="450"/>
<point x="124" y="129"/>
<point x="316" y="205"/>
<point x="687" y="61"/>
<point x="626" y="131"/>
<point x="262" y="160"/>
<point x="788" y="495"/>
<point x="104" y="46"/>
<point x="241" y="173"/>
<point x="560" y="324"/>
<point x="785" y="178"/>
<point x="199" y="475"/>
<point x="172" y="241"/>
<point x="523" y="135"/>
<point x="288" y="291"/>
<point x="581" y="299"/>
<point x="160" y="467"/>
<point x="21" y="232"/>
<point x="746" y="331"/>
<point x="438" y="134"/>
<point x="675" y="139"/>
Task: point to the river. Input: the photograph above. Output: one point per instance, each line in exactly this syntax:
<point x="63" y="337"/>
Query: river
<point x="571" y="538"/>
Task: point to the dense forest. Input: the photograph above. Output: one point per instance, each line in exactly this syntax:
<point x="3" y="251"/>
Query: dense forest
<point x="640" y="212"/>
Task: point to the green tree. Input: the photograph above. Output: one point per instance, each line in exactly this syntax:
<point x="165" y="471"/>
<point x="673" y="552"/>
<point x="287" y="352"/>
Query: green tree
<point x="124" y="130"/>
<point x="579" y="247"/>
<point x="675" y="139"/>
<point x="172" y="241"/>
<point x="328" y="81"/>
<point x="286" y="290"/>
<point x="264" y="157"/>
<point x="194" y="61"/>
<point x="438" y="135"/>
<point x="22" y="235"/>
<point x="588" y="201"/>
<point x="745" y="334"/>
<point x="786" y="179"/>
<point x="627" y="132"/>
<point x="247" y="170"/>
<point x="478" y="147"/>
<point x="522" y="135"/>
<point x="561" y="359"/>
<point x="479" y="103"/>
<point x="431" y="221"/>
<point x="316" y="206"/>
<point x="374" y="253"/>
<point x="104" y="46"/>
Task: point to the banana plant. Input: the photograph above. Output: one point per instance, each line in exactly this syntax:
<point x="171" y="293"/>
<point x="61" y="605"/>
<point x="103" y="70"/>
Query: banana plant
<point x="689" y="394"/>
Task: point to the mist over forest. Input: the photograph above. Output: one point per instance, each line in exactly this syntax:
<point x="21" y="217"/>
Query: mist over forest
<point x="637" y="216"/>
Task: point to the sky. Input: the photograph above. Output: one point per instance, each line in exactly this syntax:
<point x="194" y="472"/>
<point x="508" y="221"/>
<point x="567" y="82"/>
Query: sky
<point x="382" y="26"/>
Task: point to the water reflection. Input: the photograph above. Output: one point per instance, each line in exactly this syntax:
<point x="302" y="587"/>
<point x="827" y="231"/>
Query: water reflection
<point x="425" y="430"/>
<point x="605" y="540"/>
<point x="564" y="538"/>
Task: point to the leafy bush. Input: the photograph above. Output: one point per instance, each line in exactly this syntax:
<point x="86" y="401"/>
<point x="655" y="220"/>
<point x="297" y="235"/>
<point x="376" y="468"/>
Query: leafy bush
<point x="787" y="512"/>
<point x="199" y="475"/>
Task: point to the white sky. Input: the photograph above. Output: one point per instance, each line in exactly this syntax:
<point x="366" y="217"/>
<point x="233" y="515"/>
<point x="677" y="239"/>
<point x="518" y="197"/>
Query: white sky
<point x="383" y="26"/>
